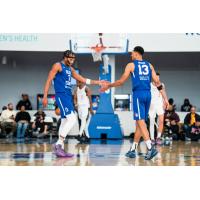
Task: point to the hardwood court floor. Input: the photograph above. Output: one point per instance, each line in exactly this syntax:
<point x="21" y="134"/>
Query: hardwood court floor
<point x="97" y="153"/>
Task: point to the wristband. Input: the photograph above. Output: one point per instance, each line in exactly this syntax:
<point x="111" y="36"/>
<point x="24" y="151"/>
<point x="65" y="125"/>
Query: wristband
<point x="88" y="81"/>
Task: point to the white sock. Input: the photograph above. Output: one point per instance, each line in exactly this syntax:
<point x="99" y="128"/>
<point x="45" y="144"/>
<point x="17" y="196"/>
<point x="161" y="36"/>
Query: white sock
<point x="61" y="142"/>
<point x="83" y="125"/>
<point x="134" y="146"/>
<point x="159" y="135"/>
<point x="65" y="126"/>
<point x="151" y="128"/>
<point x="148" y="143"/>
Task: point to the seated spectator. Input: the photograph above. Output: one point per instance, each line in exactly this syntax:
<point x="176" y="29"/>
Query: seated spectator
<point x="171" y="102"/>
<point x="192" y="125"/>
<point x="186" y="107"/>
<point x="24" y="102"/>
<point x="39" y="126"/>
<point x="8" y="120"/>
<point x="23" y="119"/>
<point x="171" y="121"/>
<point x="3" y="108"/>
<point x="39" y="113"/>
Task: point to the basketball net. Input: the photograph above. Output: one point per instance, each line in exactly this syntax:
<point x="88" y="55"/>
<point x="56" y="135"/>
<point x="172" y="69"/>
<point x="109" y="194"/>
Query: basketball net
<point x="97" y="52"/>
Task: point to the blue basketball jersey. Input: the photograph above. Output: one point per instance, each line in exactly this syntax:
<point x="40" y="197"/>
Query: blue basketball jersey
<point x="141" y="77"/>
<point x="62" y="80"/>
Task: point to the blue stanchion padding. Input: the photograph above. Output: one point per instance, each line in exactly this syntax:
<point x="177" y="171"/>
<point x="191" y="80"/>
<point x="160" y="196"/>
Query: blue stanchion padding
<point x="105" y="121"/>
<point x="105" y="124"/>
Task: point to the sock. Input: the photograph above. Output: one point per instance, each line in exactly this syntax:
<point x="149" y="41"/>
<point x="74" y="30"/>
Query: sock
<point x="148" y="143"/>
<point x="134" y="146"/>
<point x="61" y="142"/>
<point x="159" y="135"/>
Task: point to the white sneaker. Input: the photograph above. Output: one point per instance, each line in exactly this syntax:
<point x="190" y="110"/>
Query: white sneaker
<point x="187" y="139"/>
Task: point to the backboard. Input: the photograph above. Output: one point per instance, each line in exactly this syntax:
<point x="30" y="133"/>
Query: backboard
<point x="113" y="43"/>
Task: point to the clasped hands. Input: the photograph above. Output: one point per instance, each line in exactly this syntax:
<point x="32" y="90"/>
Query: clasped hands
<point x="105" y="85"/>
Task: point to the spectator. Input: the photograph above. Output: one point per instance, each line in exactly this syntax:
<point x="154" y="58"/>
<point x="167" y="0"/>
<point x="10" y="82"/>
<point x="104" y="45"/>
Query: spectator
<point x="8" y="120"/>
<point x="191" y="125"/>
<point x="186" y="107"/>
<point x="39" y="113"/>
<point x="39" y="126"/>
<point x="23" y="119"/>
<point x="3" y="108"/>
<point x="24" y="102"/>
<point x="171" y="102"/>
<point x="171" y="120"/>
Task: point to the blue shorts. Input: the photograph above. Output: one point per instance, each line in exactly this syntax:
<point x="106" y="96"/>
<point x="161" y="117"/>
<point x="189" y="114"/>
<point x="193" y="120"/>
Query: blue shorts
<point x="65" y="104"/>
<point x="141" y="104"/>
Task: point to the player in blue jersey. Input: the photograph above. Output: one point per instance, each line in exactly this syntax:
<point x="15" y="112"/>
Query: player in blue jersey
<point x="61" y="74"/>
<point x="142" y="73"/>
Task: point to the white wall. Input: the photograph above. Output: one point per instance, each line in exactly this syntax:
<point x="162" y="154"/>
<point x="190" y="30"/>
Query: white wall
<point x="152" y="42"/>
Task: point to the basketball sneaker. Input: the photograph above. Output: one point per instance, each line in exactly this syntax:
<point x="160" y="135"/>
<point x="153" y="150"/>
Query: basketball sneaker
<point x="151" y="153"/>
<point x="131" y="154"/>
<point x="153" y="142"/>
<point x="159" y="141"/>
<point x="57" y="149"/>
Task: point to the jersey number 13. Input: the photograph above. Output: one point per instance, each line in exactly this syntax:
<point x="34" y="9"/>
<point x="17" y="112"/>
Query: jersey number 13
<point x="143" y="70"/>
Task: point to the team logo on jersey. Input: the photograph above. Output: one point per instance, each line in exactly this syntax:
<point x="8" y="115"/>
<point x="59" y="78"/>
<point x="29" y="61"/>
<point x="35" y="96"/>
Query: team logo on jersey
<point x="66" y="109"/>
<point x="68" y="72"/>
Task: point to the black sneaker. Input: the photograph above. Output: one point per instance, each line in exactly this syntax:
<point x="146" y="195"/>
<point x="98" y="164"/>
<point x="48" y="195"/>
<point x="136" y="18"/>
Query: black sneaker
<point x="151" y="153"/>
<point x="85" y="140"/>
<point x="78" y="138"/>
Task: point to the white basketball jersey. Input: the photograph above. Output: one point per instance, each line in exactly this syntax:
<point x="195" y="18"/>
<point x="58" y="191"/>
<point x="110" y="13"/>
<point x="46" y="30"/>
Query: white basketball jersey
<point x="156" y="97"/>
<point x="82" y="97"/>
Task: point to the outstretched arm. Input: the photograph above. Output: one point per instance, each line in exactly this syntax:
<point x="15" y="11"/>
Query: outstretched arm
<point x="82" y="79"/>
<point x="55" y="69"/>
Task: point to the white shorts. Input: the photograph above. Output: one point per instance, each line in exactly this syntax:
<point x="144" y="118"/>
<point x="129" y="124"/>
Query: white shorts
<point x="83" y="112"/>
<point x="156" y="108"/>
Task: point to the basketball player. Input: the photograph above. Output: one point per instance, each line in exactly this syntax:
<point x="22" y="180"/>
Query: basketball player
<point x="156" y="108"/>
<point x="61" y="74"/>
<point x="83" y="104"/>
<point x="141" y="72"/>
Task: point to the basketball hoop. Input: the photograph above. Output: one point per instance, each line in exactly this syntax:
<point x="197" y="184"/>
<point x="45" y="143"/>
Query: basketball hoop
<point x="97" y="52"/>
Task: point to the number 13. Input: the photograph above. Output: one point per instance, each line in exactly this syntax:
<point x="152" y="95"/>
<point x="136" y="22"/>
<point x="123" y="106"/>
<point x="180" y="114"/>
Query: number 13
<point x="143" y="70"/>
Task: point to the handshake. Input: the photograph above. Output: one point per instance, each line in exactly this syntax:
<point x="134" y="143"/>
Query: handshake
<point x="105" y="85"/>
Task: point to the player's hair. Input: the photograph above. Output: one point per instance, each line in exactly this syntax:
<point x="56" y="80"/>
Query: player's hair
<point x="68" y="53"/>
<point x="139" y="49"/>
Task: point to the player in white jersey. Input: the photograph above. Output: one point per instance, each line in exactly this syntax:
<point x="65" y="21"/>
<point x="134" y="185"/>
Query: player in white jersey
<point x="156" y="108"/>
<point x="83" y="104"/>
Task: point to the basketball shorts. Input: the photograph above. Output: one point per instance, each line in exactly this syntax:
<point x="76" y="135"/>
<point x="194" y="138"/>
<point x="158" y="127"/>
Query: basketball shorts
<point x="65" y="104"/>
<point x="156" y="108"/>
<point x="83" y="112"/>
<point x="141" y="104"/>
